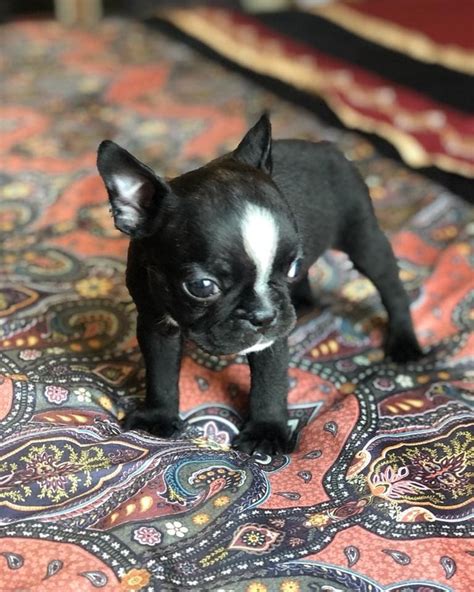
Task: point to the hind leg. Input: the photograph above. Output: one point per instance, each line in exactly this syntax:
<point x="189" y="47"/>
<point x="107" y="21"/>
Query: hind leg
<point x="372" y="255"/>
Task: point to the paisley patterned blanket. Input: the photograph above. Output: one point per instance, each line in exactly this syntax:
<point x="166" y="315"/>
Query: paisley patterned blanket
<point x="378" y="495"/>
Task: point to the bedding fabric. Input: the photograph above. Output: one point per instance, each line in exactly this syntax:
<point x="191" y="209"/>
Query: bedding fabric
<point x="400" y="71"/>
<point x="378" y="495"/>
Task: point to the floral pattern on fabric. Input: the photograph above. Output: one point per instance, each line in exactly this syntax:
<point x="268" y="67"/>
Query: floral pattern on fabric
<point x="377" y="494"/>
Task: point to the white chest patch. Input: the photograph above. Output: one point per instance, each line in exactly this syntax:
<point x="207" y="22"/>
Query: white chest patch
<point x="260" y="237"/>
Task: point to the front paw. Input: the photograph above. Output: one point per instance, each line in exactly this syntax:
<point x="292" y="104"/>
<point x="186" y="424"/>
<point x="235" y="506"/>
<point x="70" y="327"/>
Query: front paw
<point x="154" y="422"/>
<point x="265" y="437"/>
<point x="402" y="346"/>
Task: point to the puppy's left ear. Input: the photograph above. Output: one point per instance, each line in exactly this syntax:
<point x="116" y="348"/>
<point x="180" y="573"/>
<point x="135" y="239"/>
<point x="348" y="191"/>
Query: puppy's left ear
<point x="256" y="147"/>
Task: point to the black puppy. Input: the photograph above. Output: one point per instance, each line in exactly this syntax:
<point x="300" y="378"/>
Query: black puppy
<point x="215" y="255"/>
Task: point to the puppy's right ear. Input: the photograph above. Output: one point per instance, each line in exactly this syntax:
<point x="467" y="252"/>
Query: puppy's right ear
<point x="135" y="192"/>
<point x="256" y="147"/>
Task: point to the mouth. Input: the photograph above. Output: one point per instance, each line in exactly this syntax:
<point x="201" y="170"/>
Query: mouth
<point x="215" y="350"/>
<point x="227" y="346"/>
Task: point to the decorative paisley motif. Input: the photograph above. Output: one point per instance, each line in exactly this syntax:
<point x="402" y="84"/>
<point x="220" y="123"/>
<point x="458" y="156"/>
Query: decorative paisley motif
<point x="97" y="578"/>
<point x="289" y="495"/>
<point x="14" y="561"/>
<point x="331" y="427"/>
<point x="13" y="299"/>
<point x="313" y="454"/>
<point x="449" y="566"/>
<point x="255" y="539"/>
<point x="53" y="568"/>
<point x="398" y="556"/>
<point x="48" y="264"/>
<point x="46" y="472"/>
<point x="305" y="476"/>
<point x="431" y="472"/>
<point x="14" y="215"/>
<point x="353" y="555"/>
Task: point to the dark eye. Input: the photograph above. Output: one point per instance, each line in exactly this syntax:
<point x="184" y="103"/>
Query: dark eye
<point x="295" y="268"/>
<point x="202" y="289"/>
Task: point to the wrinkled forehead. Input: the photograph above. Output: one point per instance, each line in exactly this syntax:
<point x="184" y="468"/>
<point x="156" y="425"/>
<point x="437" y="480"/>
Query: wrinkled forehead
<point x="236" y="216"/>
<point x="250" y="234"/>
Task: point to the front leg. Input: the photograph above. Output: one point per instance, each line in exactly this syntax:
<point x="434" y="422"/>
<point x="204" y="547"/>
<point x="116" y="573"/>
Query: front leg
<point x="266" y="429"/>
<point x="161" y="349"/>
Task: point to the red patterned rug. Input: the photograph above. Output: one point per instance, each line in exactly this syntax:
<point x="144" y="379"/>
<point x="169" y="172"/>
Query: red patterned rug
<point x="389" y="69"/>
<point x="378" y="495"/>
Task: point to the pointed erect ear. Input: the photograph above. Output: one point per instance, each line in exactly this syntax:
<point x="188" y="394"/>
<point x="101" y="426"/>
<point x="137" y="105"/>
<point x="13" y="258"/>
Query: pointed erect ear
<point x="135" y="192"/>
<point x="256" y="147"/>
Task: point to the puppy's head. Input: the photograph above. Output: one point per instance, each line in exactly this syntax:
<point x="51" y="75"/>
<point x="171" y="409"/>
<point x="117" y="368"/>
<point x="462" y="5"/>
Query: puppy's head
<point x="220" y="243"/>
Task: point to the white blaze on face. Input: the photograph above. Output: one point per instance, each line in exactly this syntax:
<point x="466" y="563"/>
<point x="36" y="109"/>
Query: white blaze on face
<point x="260" y="237"/>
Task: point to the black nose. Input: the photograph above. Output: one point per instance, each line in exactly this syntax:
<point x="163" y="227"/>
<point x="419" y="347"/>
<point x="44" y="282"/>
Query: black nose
<point x="262" y="318"/>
